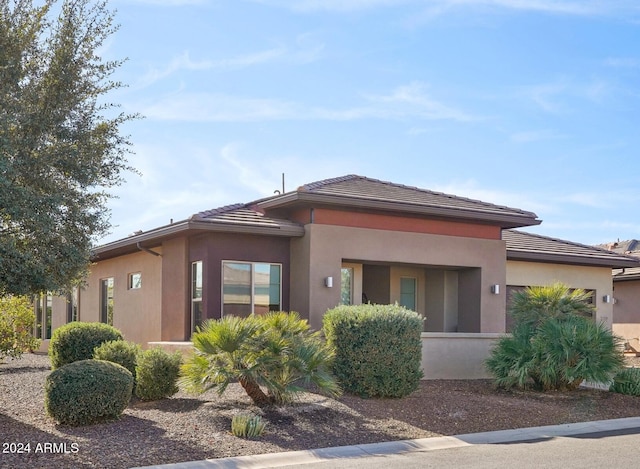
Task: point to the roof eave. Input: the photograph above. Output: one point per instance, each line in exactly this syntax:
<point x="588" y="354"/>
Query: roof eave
<point x="518" y="255"/>
<point x="154" y="237"/>
<point x="503" y="220"/>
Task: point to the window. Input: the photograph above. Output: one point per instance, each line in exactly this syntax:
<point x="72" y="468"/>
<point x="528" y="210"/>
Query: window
<point x="106" y="300"/>
<point x="44" y="307"/>
<point x="196" y="295"/>
<point x="250" y="288"/>
<point x="408" y="292"/>
<point x="346" y="286"/>
<point x="72" y="304"/>
<point x="135" y="281"/>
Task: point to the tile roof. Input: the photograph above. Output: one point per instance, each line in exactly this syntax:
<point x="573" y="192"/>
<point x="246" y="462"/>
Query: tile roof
<point x="529" y="246"/>
<point x="371" y="193"/>
<point x="243" y="214"/>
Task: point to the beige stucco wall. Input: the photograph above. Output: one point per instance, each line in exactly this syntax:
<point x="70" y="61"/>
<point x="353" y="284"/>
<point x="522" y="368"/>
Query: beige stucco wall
<point x="321" y="252"/>
<point x="592" y="278"/>
<point x="456" y="356"/>
<point x="137" y="312"/>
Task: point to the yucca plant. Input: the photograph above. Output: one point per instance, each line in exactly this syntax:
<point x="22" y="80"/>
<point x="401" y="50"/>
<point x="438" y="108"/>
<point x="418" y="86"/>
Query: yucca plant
<point x="272" y="357"/>
<point x="555" y="344"/>
<point x="247" y="425"/>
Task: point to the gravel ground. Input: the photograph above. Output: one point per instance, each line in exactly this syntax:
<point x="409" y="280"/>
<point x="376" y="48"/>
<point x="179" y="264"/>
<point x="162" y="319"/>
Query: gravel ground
<point x="186" y="428"/>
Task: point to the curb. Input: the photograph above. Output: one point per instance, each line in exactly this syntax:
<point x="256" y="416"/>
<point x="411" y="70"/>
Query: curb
<point x="290" y="458"/>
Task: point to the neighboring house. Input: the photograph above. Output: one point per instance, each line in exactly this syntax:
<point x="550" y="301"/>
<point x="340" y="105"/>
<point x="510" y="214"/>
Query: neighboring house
<point x="626" y="294"/>
<point x="343" y="240"/>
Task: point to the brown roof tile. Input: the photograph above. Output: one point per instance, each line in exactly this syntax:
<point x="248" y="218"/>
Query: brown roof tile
<point x="534" y="247"/>
<point x="363" y="192"/>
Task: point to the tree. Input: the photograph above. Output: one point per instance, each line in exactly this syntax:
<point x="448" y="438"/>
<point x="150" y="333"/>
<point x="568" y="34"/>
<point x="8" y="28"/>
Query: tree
<point x="60" y="142"/>
<point x="16" y="325"/>
<point x="276" y="352"/>
<point x="555" y="343"/>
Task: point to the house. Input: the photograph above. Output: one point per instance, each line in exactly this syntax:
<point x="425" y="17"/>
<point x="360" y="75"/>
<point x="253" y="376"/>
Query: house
<point x="344" y="240"/>
<point x="626" y="295"/>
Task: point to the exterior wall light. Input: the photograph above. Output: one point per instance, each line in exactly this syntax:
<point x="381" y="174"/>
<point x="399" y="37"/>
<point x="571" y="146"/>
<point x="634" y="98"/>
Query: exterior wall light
<point x="328" y="282"/>
<point x="609" y="299"/>
<point x="495" y="289"/>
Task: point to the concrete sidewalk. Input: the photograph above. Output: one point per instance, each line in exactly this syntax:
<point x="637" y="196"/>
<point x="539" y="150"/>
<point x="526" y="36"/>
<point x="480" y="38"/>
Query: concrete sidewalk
<point x="291" y="458"/>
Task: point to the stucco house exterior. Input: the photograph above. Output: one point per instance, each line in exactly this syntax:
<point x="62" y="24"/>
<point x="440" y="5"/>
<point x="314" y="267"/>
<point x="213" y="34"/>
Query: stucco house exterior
<point x="343" y="240"/>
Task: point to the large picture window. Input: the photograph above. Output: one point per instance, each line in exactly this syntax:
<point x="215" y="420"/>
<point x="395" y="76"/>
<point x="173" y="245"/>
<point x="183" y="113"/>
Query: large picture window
<point x="251" y="287"/>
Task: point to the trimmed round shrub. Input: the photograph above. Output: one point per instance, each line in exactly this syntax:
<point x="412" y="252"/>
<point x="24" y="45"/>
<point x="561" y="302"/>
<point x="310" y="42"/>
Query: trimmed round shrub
<point x="627" y="381"/>
<point x="77" y="340"/>
<point x="87" y="392"/>
<point x="378" y="349"/>
<point x="157" y="374"/>
<point x="121" y="352"/>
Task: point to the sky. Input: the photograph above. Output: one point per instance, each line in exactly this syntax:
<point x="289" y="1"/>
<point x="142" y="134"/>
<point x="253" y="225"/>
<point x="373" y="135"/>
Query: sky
<point x="532" y="104"/>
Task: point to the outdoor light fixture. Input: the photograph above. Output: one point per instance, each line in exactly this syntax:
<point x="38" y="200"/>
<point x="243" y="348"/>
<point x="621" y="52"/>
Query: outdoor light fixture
<point x="328" y="282"/>
<point x="495" y="289"/>
<point x="609" y="299"/>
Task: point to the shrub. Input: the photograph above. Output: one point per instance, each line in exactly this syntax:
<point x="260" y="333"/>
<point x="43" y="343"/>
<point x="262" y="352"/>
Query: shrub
<point x="554" y="344"/>
<point x="121" y="352"/>
<point x="87" y="391"/>
<point x="378" y="349"/>
<point x="77" y="340"/>
<point x="247" y="425"/>
<point x="157" y="374"/>
<point x="276" y="353"/>
<point x="16" y="324"/>
<point x="627" y="381"/>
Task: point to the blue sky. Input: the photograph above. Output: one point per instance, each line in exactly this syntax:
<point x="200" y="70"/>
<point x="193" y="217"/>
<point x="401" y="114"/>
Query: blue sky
<point x="533" y="104"/>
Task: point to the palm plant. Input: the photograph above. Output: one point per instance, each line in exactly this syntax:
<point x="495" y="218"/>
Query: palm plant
<point x="555" y="344"/>
<point x="272" y="357"/>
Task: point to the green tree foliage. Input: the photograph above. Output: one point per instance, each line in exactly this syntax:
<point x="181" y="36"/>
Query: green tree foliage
<point x="16" y="326"/>
<point x="555" y="345"/>
<point x="60" y="145"/>
<point x="272" y="357"/>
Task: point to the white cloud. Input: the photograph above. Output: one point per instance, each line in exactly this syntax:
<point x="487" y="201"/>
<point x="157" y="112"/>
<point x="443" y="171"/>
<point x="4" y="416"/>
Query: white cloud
<point x="623" y="62"/>
<point x="409" y="101"/>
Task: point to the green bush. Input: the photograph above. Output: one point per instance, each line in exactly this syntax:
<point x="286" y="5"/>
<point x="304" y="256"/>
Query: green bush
<point x="555" y="345"/>
<point x="627" y="381"/>
<point x="77" y="340"/>
<point x="87" y="391"/>
<point x="157" y="374"/>
<point x="378" y="349"/>
<point x="16" y="325"/>
<point x="121" y="352"/>
<point x="272" y="356"/>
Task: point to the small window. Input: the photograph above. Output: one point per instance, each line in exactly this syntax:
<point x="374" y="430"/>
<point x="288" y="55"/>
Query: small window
<point x="106" y="301"/>
<point x="135" y="281"/>
<point x="72" y="304"/>
<point x="408" y="292"/>
<point x="346" y="286"/>
<point x="44" y="310"/>
<point x="196" y="295"/>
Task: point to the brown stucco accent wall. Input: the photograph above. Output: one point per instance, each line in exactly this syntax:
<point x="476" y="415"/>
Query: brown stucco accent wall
<point x="213" y="248"/>
<point x="320" y="253"/>
<point x="176" y="318"/>
<point x="403" y="223"/>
